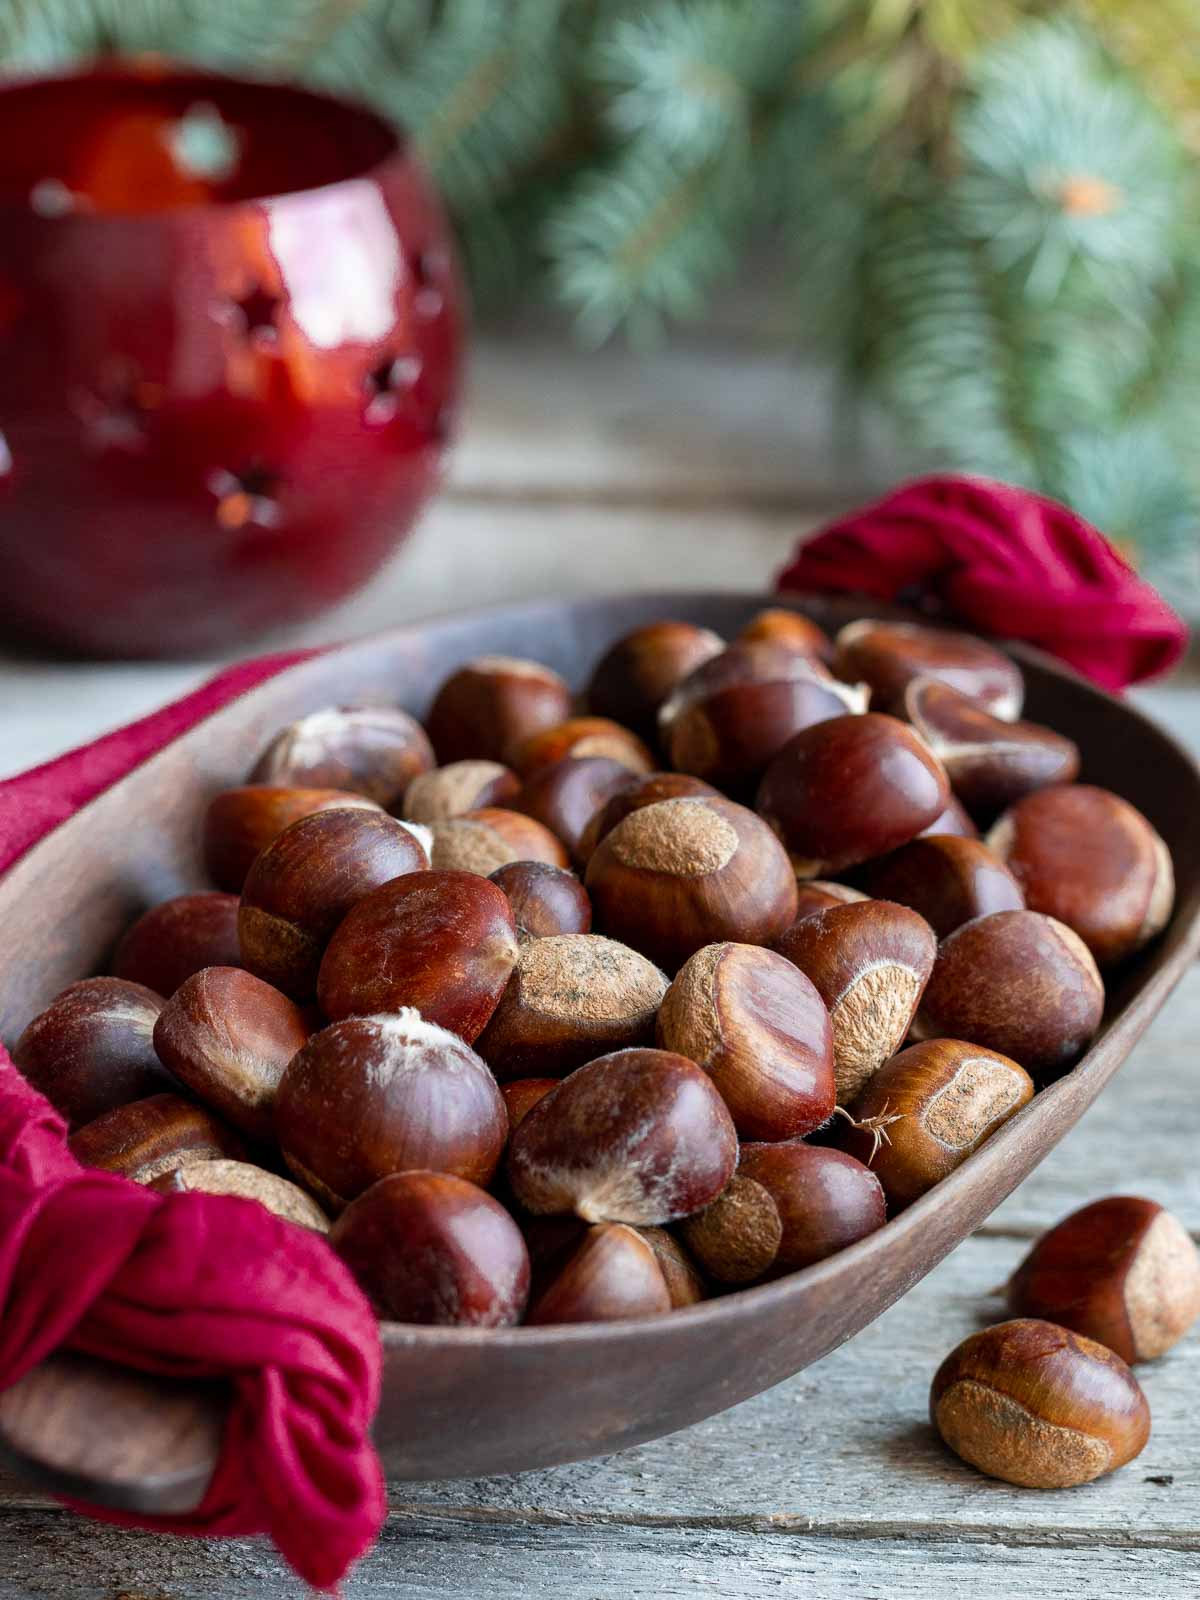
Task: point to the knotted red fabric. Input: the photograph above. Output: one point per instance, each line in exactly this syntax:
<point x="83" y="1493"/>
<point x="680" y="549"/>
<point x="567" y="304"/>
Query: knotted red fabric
<point x="189" y="1285"/>
<point x="1005" y="561"/>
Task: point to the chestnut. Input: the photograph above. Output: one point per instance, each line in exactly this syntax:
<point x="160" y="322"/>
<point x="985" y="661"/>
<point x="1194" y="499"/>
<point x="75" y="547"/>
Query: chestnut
<point x="442" y="942"/>
<point x="1092" y="860"/>
<point x="566" y="796"/>
<point x="520" y="1095"/>
<point x="492" y="703"/>
<point x="145" y="1138"/>
<point x="176" y="938"/>
<point x="432" y="1248"/>
<point x="928" y="1108"/>
<point x="638" y="1136"/>
<point x="869" y="961"/>
<point x="301" y="887"/>
<point x="760" y="1030"/>
<point x="227" y="1036"/>
<point x="888" y="655"/>
<point x="375" y="1095"/>
<point x="371" y="750"/>
<point x="240" y="823"/>
<point x="727" y="719"/>
<point x="1017" y="982"/>
<point x="953" y="819"/>
<point x="571" y="997"/>
<point x="1122" y="1271"/>
<point x="684" y="1280"/>
<point x="580" y="737"/>
<point x="635" y="675"/>
<point x="92" y="1048"/>
<point x="1038" y="1406"/>
<point x="647" y="791"/>
<point x="790" y="1204"/>
<point x="460" y="787"/>
<point x="613" y="1275"/>
<point x="545" y="900"/>
<point x="947" y="879"/>
<point x="849" y="789"/>
<point x="818" y="894"/>
<point x="480" y="841"/>
<point x="247" y="1182"/>
<point x="681" y="874"/>
<point x="790" y="630"/>
<point x="990" y="762"/>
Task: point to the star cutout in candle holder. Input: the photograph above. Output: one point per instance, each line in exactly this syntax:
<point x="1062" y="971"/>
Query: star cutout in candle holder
<point x="116" y="413"/>
<point x="248" y="495"/>
<point x="385" y="382"/>
<point x="255" y="313"/>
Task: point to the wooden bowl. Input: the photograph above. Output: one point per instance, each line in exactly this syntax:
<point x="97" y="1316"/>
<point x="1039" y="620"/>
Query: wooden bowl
<point x="462" y="1402"/>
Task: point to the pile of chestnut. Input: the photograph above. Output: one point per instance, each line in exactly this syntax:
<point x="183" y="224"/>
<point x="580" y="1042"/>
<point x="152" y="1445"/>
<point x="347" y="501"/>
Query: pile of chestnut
<point x="549" y="1006"/>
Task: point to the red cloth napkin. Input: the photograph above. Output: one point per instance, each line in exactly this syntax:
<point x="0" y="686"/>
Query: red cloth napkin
<point x="1006" y="561"/>
<point x="192" y="1285"/>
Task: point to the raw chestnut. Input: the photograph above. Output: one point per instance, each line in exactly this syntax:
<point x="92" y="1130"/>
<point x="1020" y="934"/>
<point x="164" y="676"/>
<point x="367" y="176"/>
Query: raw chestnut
<point x="239" y="824"/>
<point x="1039" y="1406"/>
<point x="849" y="789"/>
<point x="928" y="1108"/>
<point x="522" y="1094"/>
<point x="789" y="1205"/>
<point x="146" y="1138"/>
<point x="635" y="675"/>
<point x="492" y="703"/>
<point x="818" y="894"/>
<point x="1017" y="982"/>
<point x="954" y="820"/>
<point x="545" y="900"/>
<point x="639" y="1136"/>
<point x="760" y="1030"/>
<point x="92" y="1048"/>
<point x="681" y="874"/>
<point x="888" y="655"/>
<point x="443" y="943"/>
<point x="1092" y="860"/>
<point x="684" y="1280"/>
<point x="246" y="1182"/>
<point x="790" y="630"/>
<point x="480" y="841"/>
<point x="947" y="879"/>
<point x="571" y="997"/>
<point x="870" y="961"/>
<point x="428" y="1247"/>
<point x="580" y="737"/>
<point x="301" y="887"/>
<point x="176" y="938"/>
<point x="371" y="750"/>
<point x="647" y="791"/>
<point x="462" y="786"/>
<point x="376" y="1095"/>
<point x="566" y="796"/>
<point x="612" y="1276"/>
<point x="1122" y="1271"/>
<point x="228" y="1036"/>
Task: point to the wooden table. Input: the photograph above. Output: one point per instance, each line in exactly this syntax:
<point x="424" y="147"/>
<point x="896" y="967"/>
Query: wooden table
<point x="699" y="468"/>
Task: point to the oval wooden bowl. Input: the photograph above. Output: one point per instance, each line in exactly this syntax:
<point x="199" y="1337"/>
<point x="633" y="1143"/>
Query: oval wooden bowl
<point x="460" y="1402"/>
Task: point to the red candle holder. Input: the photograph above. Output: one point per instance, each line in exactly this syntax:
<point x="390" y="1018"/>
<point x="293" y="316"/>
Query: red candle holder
<point x="230" y="341"/>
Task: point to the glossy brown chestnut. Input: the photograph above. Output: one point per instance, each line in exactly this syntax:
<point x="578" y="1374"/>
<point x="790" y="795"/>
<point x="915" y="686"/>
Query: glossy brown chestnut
<point x="633" y="678"/>
<point x="227" y="1036"/>
<point x="613" y="1275"/>
<point x="1039" y="1406"/>
<point x="681" y="874"/>
<point x="571" y="997"/>
<point x="789" y="629"/>
<point x="176" y="938"/>
<point x="1122" y="1271"/>
<point x="245" y="1182"/>
<point x="818" y="894"/>
<point x="647" y="791"/>
<point x="947" y="879"/>
<point x="760" y="1030"/>
<point x="431" y="1248"/>
<point x="480" y="841"/>
<point x="462" y="786"/>
<point x="301" y="887"/>
<point x="990" y="762"/>
<point x="849" y="789"/>
<point x="545" y="900"/>
<point x="92" y="1048"/>
<point x="376" y="1095"/>
<point x="928" y="1108"/>
<point x="1092" y="860"/>
<point x="684" y="1280"/>
<point x="888" y="655"/>
<point x="1017" y="982"/>
<point x="566" y="796"/>
<point x="442" y="942"/>
<point x="953" y="820"/>
<point x="146" y="1138"/>
<point x="522" y="1094"/>
<point x="371" y="750"/>
<point x="639" y="1136"/>
<point x="240" y="823"/>
<point x="789" y="1205"/>
<point x="580" y="737"/>
<point x="727" y="719"/>
<point x="492" y="703"/>
<point x="869" y="961"/>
